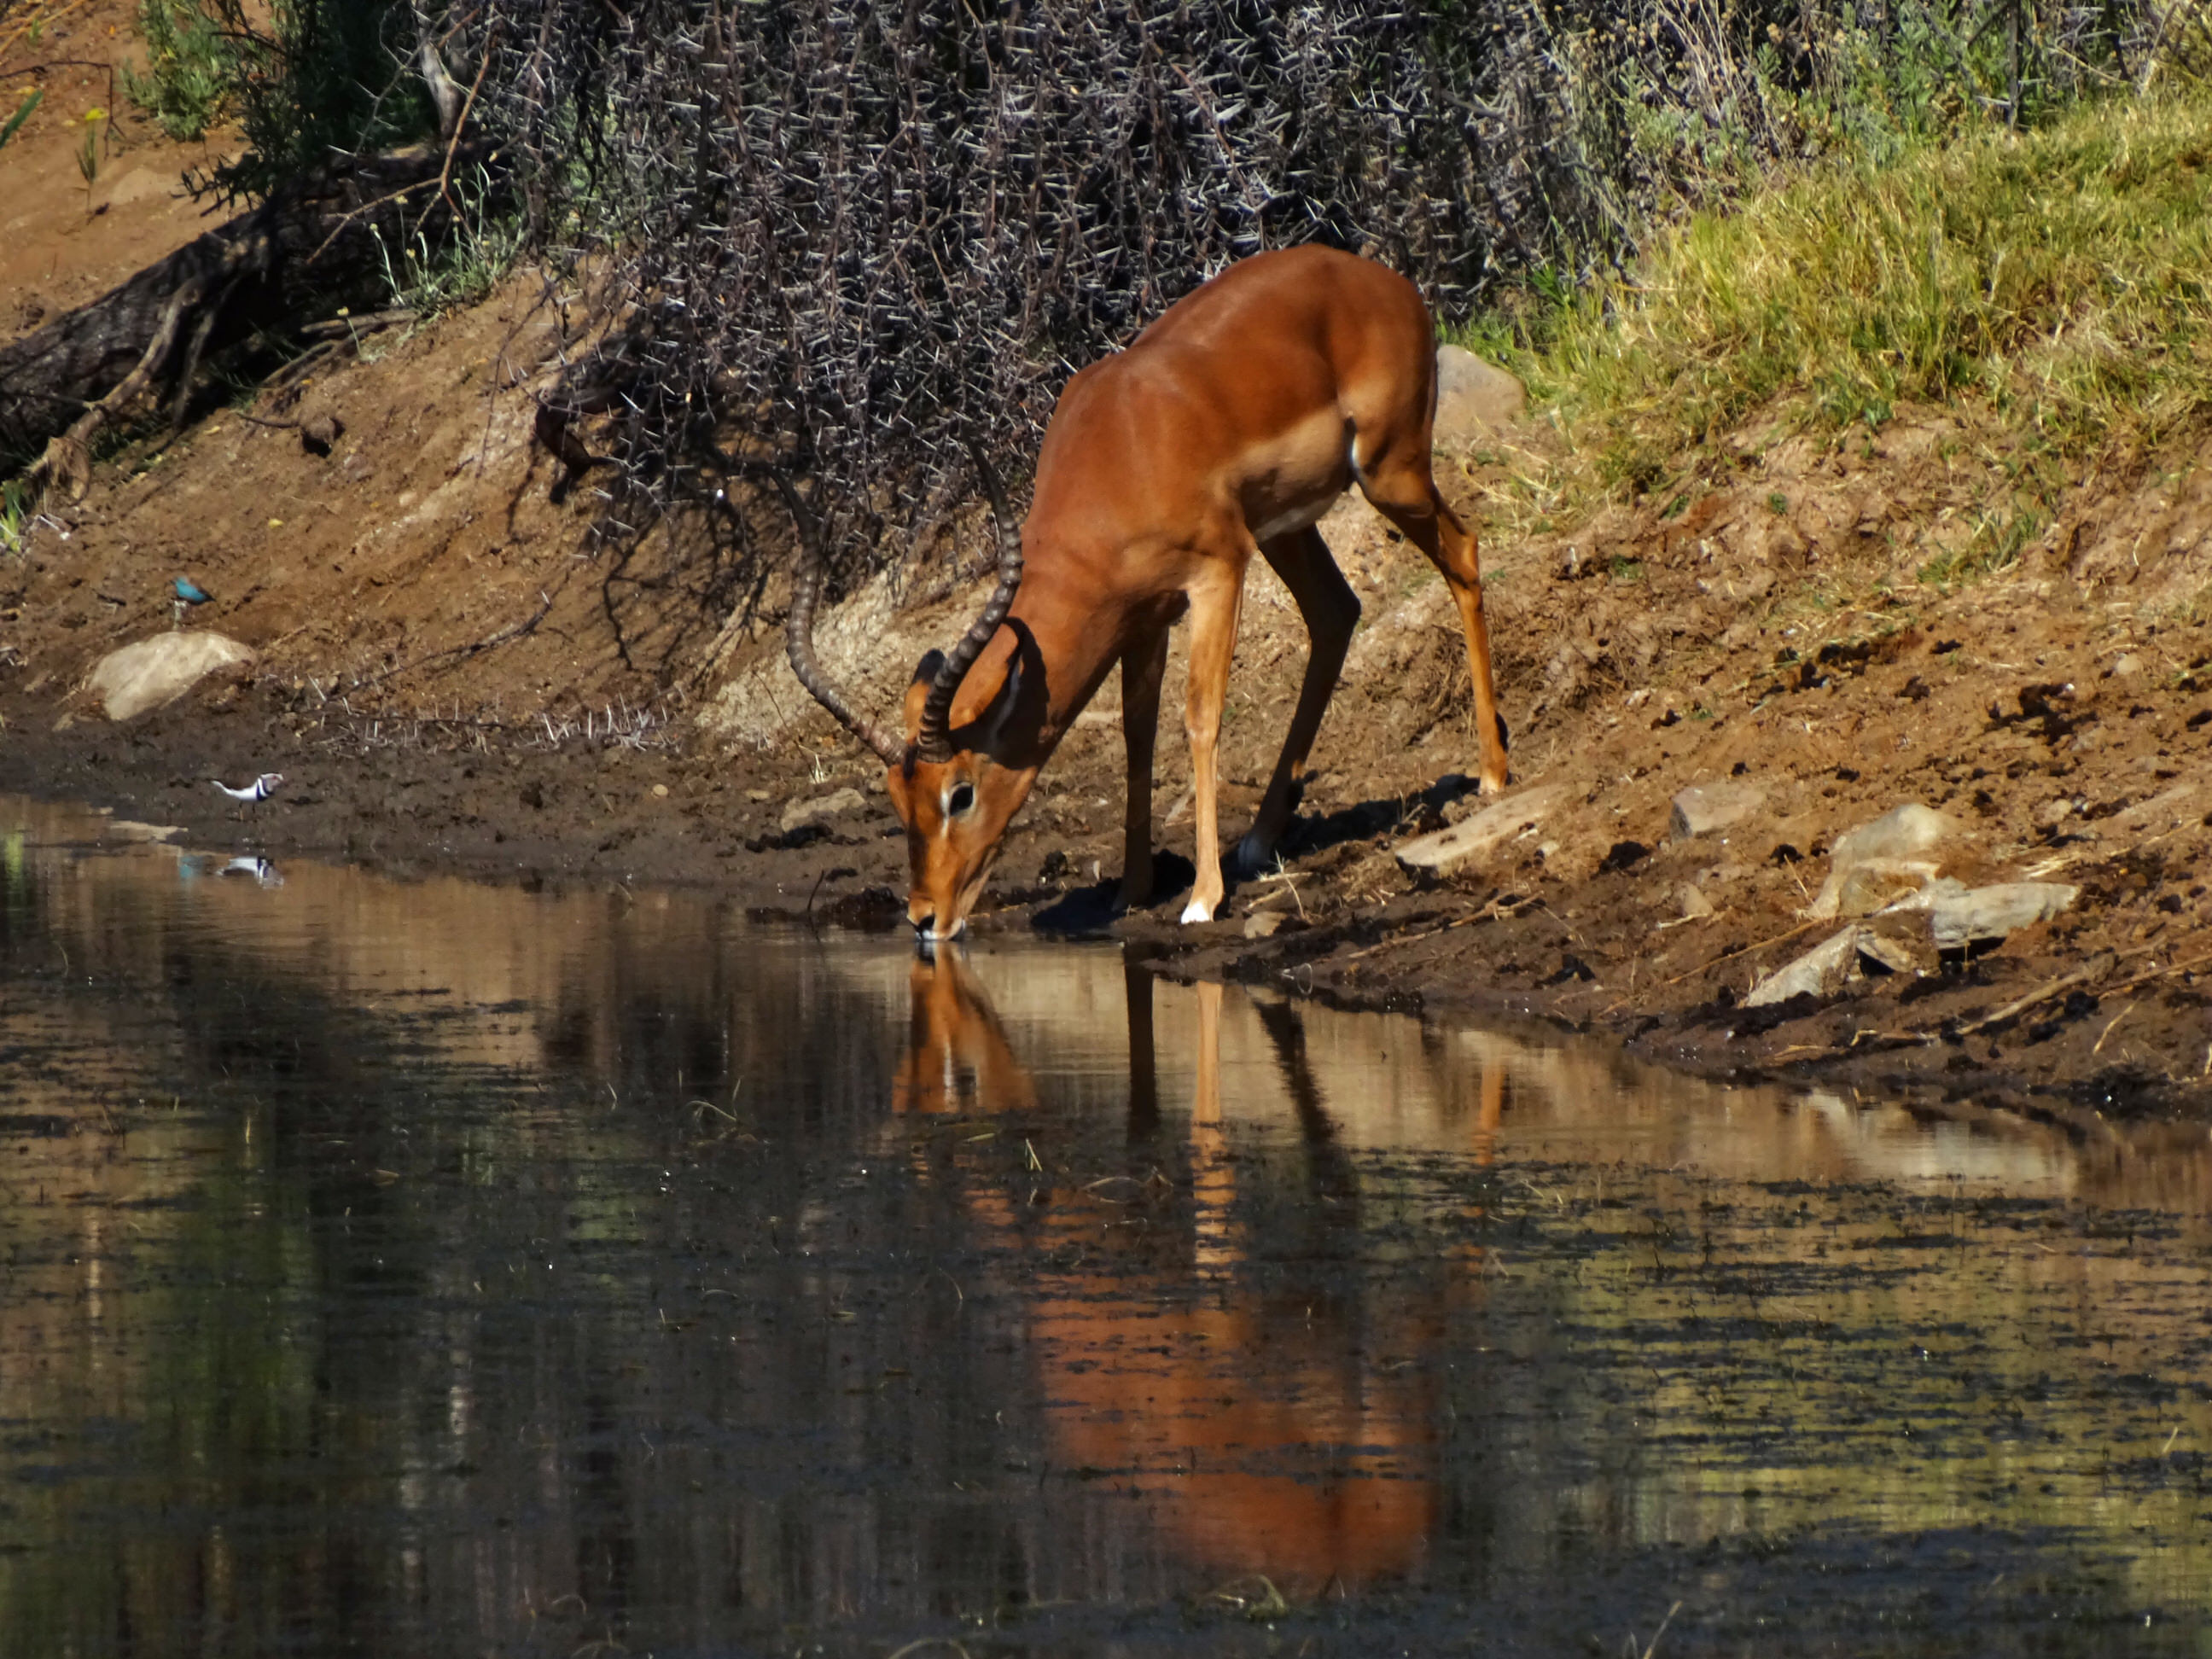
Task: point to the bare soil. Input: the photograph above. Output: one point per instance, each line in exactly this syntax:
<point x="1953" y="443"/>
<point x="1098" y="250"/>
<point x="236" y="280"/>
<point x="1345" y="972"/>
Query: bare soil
<point x="65" y="240"/>
<point x="453" y="673"/>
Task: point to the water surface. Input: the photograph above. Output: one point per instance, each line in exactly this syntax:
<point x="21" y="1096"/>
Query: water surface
<point x="438" y="1268"/>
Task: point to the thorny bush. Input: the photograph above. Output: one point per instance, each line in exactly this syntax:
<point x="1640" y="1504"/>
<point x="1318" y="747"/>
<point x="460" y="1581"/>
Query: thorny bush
<point x="852" y="239"/>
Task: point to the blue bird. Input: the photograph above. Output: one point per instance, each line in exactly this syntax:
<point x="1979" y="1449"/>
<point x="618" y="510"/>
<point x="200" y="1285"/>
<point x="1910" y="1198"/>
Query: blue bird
<point x="189" y="592"/>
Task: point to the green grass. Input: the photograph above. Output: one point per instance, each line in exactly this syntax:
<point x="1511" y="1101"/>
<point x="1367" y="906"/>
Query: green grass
<point x="2060" y="281"/>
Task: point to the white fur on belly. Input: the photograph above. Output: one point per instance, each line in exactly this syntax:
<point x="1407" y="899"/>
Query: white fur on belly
<point x="1290" y="522"/>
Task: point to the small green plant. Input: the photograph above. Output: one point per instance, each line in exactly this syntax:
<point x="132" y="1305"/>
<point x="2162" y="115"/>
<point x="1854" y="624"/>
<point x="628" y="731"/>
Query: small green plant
<point x="23" y="114"/>
<point x="14" y="517"/>
<point x="485" y="245"/>
<point x="1998" y="539"/>
<point x="88" y="152"/>
<point x="192" y="68"/>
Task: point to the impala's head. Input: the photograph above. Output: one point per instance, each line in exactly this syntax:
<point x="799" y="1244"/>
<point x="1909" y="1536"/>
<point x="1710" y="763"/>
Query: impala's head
<point x="955" y="795"/>
<point x="950" y="791"/>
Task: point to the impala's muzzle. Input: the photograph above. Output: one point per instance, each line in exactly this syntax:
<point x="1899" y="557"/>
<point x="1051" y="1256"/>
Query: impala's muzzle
<point x="928" y="937"/>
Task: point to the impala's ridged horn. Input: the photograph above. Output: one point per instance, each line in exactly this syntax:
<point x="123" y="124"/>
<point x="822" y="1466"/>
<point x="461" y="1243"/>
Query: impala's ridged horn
<point x="935" y="738"/>
<point x="798" y="631"/>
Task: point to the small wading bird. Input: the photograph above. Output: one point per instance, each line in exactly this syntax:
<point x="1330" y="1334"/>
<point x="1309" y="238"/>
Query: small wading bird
<point x="1226" y="429"/>
<point x="188" y="593"/>
<point x="247" y="794"/>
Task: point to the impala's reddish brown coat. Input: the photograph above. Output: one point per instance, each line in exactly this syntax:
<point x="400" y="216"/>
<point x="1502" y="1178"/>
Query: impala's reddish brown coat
<point x="1226" y="429"/>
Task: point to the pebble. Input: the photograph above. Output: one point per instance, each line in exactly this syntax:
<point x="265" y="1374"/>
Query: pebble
<point x="836" y="804"/>
<point x="1705" y="809"/>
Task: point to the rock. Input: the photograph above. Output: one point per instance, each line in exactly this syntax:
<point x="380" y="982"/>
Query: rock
<point x="1958" y="919"/>
<point x="1891" y="850"/>
<point x="1695" y="905"/>
<point x="1898" y="943"/>
<point x="319" y="431"/>
<point x="154" y="672"/>
<point x="2176" y="807"/>
<point x="1706" y="808"/>
<point x="1262" y="923"/>
<point x="1473" y="398"/>
<point x="835" y="804"/>
<point x="1959" y="915"/>
<point x="1822" y="971"/>
<point x="1448" y="849"/>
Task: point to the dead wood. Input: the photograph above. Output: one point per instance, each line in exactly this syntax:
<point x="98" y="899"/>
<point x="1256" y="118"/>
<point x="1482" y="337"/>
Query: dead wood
<point x="309" y="249"/>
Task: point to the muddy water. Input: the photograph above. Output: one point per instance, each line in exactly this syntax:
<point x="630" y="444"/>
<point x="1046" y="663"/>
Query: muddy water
<point x="436" y="1269"/>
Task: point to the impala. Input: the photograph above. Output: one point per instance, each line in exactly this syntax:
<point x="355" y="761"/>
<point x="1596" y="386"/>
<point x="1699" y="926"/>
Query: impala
<point x="1226" y="429"/>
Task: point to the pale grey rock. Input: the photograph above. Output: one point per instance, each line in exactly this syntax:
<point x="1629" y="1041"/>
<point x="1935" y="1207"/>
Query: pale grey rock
<point x="1822" y="971"/>
<point x="1706" y="809"/>
<point x="835" y="804"/>
<point x="1501" y="821"/>
<point x="1695" y="905"/>
<point x="1474" y="399"/>
<point x="153" y="673"/>
<point x="1262" y="923"/>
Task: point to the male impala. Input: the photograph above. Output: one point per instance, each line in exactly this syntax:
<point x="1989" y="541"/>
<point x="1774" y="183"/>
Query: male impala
<point x="1227" y="429"/>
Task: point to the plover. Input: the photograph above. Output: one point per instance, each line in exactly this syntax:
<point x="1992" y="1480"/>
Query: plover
<point x="246" y="795"/>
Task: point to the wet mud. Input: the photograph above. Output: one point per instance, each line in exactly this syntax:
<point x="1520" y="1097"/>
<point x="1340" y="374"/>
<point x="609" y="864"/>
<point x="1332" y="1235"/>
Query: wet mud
<point x="420" y="1265"/>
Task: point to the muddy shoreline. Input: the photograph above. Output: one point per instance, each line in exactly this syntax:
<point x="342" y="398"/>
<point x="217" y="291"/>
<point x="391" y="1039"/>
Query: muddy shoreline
<point x="415" y="799"/>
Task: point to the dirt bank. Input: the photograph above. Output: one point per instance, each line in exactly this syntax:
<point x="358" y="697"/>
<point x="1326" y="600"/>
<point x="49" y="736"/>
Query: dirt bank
<point x="2057" y="711"/>
<point x="451" y="672"/>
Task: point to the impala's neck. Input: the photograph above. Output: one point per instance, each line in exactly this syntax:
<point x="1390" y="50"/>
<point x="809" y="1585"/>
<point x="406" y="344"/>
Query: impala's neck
<point x="1067" y="643"/>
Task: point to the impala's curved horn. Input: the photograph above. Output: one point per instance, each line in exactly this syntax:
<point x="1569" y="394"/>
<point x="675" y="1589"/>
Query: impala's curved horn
<point x="799" y="630"/>
<point x="935" y="738"/>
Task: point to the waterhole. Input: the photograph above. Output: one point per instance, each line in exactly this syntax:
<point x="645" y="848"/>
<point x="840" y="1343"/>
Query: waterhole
<point x="427" y="1268"/>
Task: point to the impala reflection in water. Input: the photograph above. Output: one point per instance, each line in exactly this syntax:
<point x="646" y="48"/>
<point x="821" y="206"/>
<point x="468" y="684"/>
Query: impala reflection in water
<point x="431" y="1267"/>
<point x="1286" y="1433"/>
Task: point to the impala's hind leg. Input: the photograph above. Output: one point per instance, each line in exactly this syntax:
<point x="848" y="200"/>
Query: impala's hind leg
<point x="1397" y="480"/>
<point x="1331" y="611"/>
<point x="1142" y="667"/>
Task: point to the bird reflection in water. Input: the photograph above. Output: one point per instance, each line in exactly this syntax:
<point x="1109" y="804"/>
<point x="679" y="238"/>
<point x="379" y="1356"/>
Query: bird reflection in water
<point x="1273" y="1406"/>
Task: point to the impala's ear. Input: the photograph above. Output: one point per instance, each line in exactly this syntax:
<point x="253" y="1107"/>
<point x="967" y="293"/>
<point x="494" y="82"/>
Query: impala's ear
<point x="917" y="692"/>
<point x="993" y="719"/>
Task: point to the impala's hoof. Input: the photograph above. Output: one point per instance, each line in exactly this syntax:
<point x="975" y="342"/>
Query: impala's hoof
<point x="1197" y="910"/>
<point x="1253" y="856"/>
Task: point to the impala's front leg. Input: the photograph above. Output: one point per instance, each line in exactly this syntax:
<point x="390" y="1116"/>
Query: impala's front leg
<point x="1143" y="664"/>
<point x="1213" y="643"/>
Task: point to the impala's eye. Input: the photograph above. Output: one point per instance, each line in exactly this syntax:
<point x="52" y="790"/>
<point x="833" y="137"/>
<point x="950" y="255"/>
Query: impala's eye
<point x="962" y="798"/>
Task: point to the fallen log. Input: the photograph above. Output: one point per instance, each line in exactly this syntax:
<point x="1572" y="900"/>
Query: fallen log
<point x="312" y="247"/>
